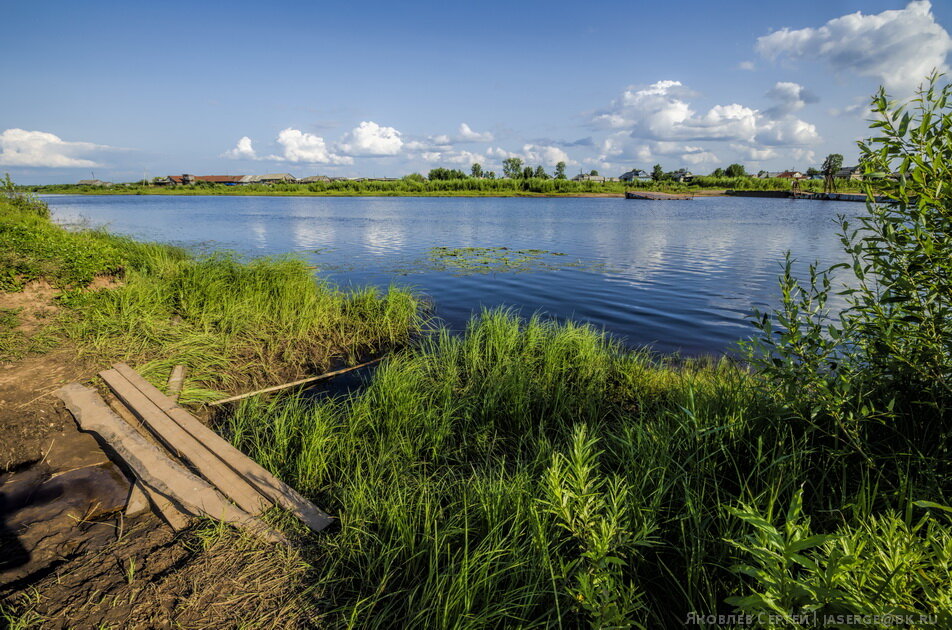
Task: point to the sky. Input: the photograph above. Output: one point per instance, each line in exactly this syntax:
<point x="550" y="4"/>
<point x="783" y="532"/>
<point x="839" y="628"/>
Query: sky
<point x="121" y="91"/>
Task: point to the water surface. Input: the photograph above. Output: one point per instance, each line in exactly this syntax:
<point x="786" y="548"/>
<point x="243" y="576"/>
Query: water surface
<point x="681" y="276"/>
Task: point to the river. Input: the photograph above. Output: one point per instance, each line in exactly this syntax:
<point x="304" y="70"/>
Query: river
<point x="679" y="276"/>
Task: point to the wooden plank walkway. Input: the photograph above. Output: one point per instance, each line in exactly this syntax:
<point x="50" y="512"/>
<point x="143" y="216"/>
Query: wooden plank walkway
<point x="223" y="482"/>
<point x="266" y="484"/>
<point x="155" y="468"/>
<point x="655" y="196"/>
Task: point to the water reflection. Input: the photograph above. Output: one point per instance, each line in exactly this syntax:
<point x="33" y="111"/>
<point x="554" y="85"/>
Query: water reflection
<point x="680" y="275"/>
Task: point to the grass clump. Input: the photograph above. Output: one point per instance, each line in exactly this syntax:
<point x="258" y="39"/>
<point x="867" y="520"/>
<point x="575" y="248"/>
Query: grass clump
<point x="234" y="323"/>
<point x="535" y="474"/>
<point x="516" y="476"/>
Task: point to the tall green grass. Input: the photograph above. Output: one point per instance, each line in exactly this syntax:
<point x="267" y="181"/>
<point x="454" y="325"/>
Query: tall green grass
<point x="234" y="323"/>
<point x="534" y="474"/>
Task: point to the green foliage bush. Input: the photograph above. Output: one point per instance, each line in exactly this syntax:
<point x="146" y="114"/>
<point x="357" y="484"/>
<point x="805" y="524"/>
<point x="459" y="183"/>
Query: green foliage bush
<point x="870" y="386"/>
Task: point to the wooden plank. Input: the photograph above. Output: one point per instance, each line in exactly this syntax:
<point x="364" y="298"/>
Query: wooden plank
<point x="176" y="380"/>
<point x="185" y="446"/>
<point x="266" y="483"/>
<point x="173" y="515"/>
<point x="303" y="381"/>
<point x="154" y="467"/>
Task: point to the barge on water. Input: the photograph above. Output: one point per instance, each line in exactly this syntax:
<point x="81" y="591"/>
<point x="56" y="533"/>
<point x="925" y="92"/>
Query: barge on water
<point x="654" y="196"/>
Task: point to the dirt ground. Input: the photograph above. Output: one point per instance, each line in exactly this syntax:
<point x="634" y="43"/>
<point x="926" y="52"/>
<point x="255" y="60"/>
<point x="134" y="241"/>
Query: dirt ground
<point x="70" y="558"/>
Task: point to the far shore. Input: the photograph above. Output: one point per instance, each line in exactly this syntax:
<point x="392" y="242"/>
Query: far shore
<point x="719" y="192"/>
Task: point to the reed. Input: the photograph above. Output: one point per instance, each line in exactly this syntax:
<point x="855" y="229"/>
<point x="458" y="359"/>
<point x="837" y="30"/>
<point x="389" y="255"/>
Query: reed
<point x="235" y="323"/>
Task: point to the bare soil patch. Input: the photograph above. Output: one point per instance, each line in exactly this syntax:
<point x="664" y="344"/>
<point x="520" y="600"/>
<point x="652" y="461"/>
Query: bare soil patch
<point x="68" y="556"/>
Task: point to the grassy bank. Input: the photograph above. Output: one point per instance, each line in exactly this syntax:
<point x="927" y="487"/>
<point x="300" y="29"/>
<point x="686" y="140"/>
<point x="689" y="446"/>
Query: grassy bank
<point x="534" y="474"/>
<point x="234" y="323"/>
<point x="469" y="187"/>
<point x="531" y="474"/>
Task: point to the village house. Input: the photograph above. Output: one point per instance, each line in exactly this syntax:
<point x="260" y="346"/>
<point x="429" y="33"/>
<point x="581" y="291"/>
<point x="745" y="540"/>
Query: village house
<point x="635" y="175"/>
<point x="187" y="179"/>
<point x="681" y="175"/>
<point x="582" y="177"/>
<point x="270" y="178"/>
<point x="791" y="175"/>
<point x="314" y="179"/>
<point x="849" y="172"/>
<point x="93" y="182"/>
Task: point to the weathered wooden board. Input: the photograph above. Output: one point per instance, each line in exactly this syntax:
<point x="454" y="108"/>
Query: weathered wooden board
<point x="176" y="381"/>
<point x="266" y="483"/>
<point x="153" y="467"/>
<point x="181" y="443"/>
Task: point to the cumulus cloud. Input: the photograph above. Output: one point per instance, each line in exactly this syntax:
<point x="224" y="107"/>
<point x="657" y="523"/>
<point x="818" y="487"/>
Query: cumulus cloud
<point x="696" y="158"/>
<point x="753" y="154"/>
<point x="305" y="147"/>
<point x="242" y="151"/>
<point x="547" y="155"/>
<point x="788" y="131"/>
<point x="659" y="121"/>
<point x="368" y="139"/>
<point x="535" y="154"/>
<point x="789" y="98"/>
<point x="468" y="135"/>
<point x="746" y="65"/>
<point x="19" y="147"/>
<point x="452" y="157"/>
<point x="898" y="47"/>
<point x="661" y="111"/>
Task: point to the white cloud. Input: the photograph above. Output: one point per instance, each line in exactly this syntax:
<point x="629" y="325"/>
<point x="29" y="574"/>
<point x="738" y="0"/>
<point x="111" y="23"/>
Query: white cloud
<point x="754" y="154"/>
<point x="788" y="131"/>
<point x="746" y="65"/>
<point x="804" y="155"/>
<point x="700" y="157"/>
<point x="500" y="153"/>
<point x="468" y="135"/>
<point x="242" y="151"/>
<point x="305" y="147"/>
<point x="368" y="139"/>
<point x="898" y="47"/>
<point x="790" y="98"/>
<point x="659" y="122"/>
<point x="661" y="112"/>
<point x="452" y="157"/>
<point x="545" y="154"/>
<point x="19" y="147"/>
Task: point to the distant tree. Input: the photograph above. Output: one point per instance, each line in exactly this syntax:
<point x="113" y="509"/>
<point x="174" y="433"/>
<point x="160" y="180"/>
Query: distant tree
<point x="512" y="167"/>
<point x="560" y="170"/>
<point x="811" y="172"/>
<point x="831" y="165"/>
<point x="476" y="170"/>
<point x="527" y="172"/>
<point x="445" y="173"/>
<point x="594" y="173"/>
<point x="490" y="175"/>
<point x="657" y="173"/>
<point x="414" y="177"/>
<point x="735" y="170"/>
<point x="762" y="173"/>
<point x="540" y="173"/>
<point x="718" y="172"/>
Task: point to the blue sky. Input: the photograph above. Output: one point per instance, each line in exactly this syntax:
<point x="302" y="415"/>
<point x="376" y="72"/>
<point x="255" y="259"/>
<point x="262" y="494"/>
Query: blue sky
<point x="126" y="90"/>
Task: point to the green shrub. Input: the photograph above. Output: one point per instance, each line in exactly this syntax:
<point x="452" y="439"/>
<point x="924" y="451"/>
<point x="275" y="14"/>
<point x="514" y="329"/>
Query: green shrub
<point x="882" y="566"/>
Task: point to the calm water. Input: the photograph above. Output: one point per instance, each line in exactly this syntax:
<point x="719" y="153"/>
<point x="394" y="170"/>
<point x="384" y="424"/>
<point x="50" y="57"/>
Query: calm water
<point x="678" y="275"/>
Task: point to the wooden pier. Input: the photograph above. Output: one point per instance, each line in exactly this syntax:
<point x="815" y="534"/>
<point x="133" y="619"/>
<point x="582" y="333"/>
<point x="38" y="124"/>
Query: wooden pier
<point x="654" y="196"/>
